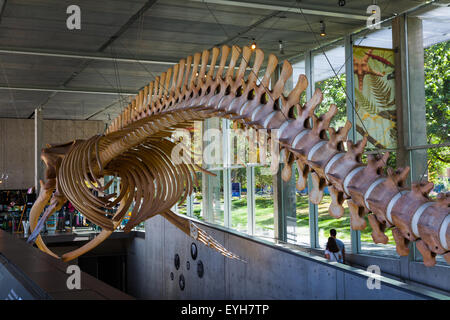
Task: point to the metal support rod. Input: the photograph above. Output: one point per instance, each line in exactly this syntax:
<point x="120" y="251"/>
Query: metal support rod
<point x="429" y="146"/>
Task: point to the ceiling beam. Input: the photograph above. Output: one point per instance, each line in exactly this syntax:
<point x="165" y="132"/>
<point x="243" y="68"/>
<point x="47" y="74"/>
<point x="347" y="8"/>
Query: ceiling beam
<point x="294" y="9"/>
<point x="74" y="55"/>
<point x="98" y="91"/>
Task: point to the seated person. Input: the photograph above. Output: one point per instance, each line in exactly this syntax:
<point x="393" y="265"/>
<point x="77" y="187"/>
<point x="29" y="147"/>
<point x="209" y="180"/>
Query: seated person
<point x="339" y="243"/>
<point x="332" y="251"/>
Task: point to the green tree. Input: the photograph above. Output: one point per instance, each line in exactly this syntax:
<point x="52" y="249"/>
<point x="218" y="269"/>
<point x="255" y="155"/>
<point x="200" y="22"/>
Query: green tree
<point x="333" y="90"/>
<point x="262" y="180"/>
<point x="437" y="93"/>
<point x="239" y="175"/>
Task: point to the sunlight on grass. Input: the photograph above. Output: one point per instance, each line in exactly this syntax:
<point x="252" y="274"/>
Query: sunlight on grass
<point x="264" y="217"/>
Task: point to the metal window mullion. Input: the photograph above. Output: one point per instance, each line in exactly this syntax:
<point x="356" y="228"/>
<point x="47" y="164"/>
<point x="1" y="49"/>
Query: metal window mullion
<point x="206" y="182"/>
<point x="408" y="98"/>
<point x="226" y="173"/>
<point x="351" y="116"/>
<point x="190" y="205"/>
<point x="226" y="153"/>
<point x="251" y="204"/>
<point x="414" y="254"/>
<point x="227" y="197"/>
<point x="313" y="209"/>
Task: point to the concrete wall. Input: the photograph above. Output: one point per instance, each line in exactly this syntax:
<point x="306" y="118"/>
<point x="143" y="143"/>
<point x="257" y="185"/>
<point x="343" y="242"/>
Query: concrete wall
<point x="413" y="272"/>
<point x="17" y="145"/>
<point x="270" y="272"/>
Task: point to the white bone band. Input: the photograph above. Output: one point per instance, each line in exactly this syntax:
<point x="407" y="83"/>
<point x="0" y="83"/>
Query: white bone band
<point x="220" y="102"/>
<point x="349" y="178"/>
<point x="443" y="232"/>
<point x="416" y="217"/>
<point x="392" y="204"/>
<point x="243" y="108"/>
<point x="369" y="191"/>
<point x="255" y="112"/>
<point x="335" y="158"/>
<point x="283" y="126"/>
<point x="299" y="137"/>
<point x="266" y="122"/>
<point x="315" y="148"/>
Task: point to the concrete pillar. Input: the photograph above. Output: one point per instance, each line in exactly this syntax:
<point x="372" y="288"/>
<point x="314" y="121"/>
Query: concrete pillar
<point x="407" y="38"/>
<point x="289" y="188"/>
<point x="284" y="205"/>
<point x="38" y="145"/>
<point x="279" y="216"/>
<point x="313" y="208"/>
<point x="290" y="206"/>
<point x="283" y="192"/>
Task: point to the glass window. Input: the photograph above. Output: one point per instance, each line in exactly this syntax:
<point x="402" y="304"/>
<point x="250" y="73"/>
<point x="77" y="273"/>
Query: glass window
<point x="264" y="204"/>
<point x="330" y="79"/>
<point x="373" y="87"/>
<point x="213" y="143"/>
<point x="298" y="69"/>
<point x="180" y="208"/>
<point x="436" y="43"/>
<point x="198" y="197"/>
<point x="367" y="244"/>
<point x="381" y="38"/>
<point x="215" y="199"/>
<point x="437" y="61"/>
<point x="241" y="151"/>
<point x="302" y="232"/>
<point x="239" y="199"/>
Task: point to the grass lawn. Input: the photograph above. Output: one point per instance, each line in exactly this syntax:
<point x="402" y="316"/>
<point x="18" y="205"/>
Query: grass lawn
<point x="264" y="217"/>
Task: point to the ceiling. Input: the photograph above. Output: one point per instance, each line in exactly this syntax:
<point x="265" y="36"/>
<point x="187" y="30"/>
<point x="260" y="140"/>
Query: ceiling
<point x="35" y="69"/>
